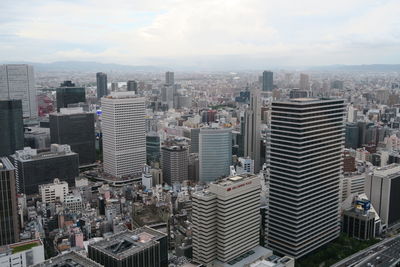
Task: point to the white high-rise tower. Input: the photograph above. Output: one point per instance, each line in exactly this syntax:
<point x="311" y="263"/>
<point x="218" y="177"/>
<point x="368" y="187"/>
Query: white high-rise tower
<point x="17" y="82"/>
<point x="305" y="163"/>
<point x="124" y="134"/>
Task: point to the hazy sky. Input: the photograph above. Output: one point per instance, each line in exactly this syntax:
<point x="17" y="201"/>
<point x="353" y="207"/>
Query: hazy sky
<point x="168" y="32"/>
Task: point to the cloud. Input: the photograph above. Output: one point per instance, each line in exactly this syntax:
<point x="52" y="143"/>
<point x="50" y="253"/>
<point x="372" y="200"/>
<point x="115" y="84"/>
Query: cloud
<point x="176" y="31"/>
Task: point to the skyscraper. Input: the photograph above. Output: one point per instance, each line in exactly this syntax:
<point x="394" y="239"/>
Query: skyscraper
<point x="305" y="161"/>
<point x="132" y="86"/>
<point x="68" y="93"/>
<point x="9" y="230"/>
<point x="268" y="81"/>
<point x="11" y="127"/>
<point x="124" y="134"/>
<point x="175" y="160"/>
<point x="252" y="133"/>
<point x="169" y="78"/>
<point x="226" y="219"/>
<point x="17" y="82"/>
<point x="101" y="79"/>
<point x="75" y="128"/>
<point x="304" y="82"/>
<point x="215" y="153"/>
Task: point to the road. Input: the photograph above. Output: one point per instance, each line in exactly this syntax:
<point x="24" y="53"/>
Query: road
<point x="383" y="254"/>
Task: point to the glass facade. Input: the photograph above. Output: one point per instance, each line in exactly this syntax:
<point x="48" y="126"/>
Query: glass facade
<point x="11" y="125"/>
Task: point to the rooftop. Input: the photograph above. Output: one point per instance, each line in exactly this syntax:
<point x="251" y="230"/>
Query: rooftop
<point x="70" y="259"/>
<point x="388" y="171"/>
<point x="20" y="246"/>
<point x="126" y="243"/>
<point x="5" y="164"/>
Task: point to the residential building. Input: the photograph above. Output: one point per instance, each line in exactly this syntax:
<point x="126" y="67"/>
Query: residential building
<point x="12" y="127"/>
<point x="124" y="135"/>
<point x="9" y="228"/>
<point x="17" y="82"/>
<point x="252" y="133"/>
<point x="304" y="151"/>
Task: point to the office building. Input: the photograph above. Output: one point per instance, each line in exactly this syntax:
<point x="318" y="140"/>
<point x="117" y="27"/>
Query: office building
<point x="101" y="79"/>
<point x="9" y="229"/>
<point x="68" y="94"/>
<point x="215" y="153"/>
<point x="382" y="187"/>
<point x="17" y="82"/>
<point x="73" y="204"/>
<point x="75" y="128"/>
<point x="36" y="137"/>
<point x="175" y="161"/>
<point x="252" y="132"/>
<point x="69" y="259"/>
<point x="169" y="78"/>
<point x="304" y="82"/>
<point x="114" y="87"/>
<point x="297" y="93"/>
<point x="143" y="247"/>
<point x="53" y="192"/>
<point x="124" y="135"/>
<point x="132" y="86"/>
<point x="34" y="169"/>
<point x="268" y="81"/>
<point x="153" y="146"/>
<point x="22" y="254"/>
<point x="194" y="140"/>
<point x="305" y="149"/>
<point x="352" y="184"/>
<point x="352" y="136"/>
<point x="226" y="219"/>
<point x="12" y="127"/>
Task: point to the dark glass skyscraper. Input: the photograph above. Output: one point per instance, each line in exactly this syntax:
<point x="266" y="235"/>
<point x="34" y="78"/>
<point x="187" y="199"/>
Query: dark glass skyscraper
<point x="132" y="86"/>
<point x="101" y="79"/>
<point x="9" y="230"/>
<point x="68" y="93"/>
<point x="76" y="130"/>
<point x="268" y="81"/>
<point x="11" y="127"/>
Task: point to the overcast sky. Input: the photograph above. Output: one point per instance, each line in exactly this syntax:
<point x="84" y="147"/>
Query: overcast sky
<point x="168" y="32"/>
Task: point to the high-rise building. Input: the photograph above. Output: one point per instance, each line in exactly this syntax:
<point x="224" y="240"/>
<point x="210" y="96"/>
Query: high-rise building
<point x="175" y="160"/>
<point x="124" y="134"/>
<point x="226" y="219"/>
<point x="169" y="78"/>
<point x="11" y="127"/>
<point x="305" y="165"/>
<point x="17" y="82"/>
<point x="74" y="127"/>
<point x="143" y="247"/>
<point x="114" y="87"/>
<point x="194" y="140"/>
<point x="101" y="79"/>
<point x="68" y="94"/>
<point x="34" y="169"/>
<point x="304" y="82"/>
<point x="252" y="133"/>
<point x="382" y="187"/>
<point x="132" y="86"/>
<point x="9" y="230"/>
<point x="215" y="153"/>
<point x="153" y="153"/>
<point x="268" y="81"/>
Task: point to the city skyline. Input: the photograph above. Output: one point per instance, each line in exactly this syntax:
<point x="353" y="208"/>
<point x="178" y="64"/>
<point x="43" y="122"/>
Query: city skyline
<point x="185" y="33"/>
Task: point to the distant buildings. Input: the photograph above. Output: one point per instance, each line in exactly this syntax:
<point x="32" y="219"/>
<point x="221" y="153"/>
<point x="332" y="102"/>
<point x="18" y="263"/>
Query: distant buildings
<point x="215" y="153"/>
<point x="144" y="247"/>
<point x="68" y="94"/>
<point x="268" y="81"/>
<point x="382" y="187"/>
<point x="17" y="82"/>
<point x="11" y="127"/>
<point x="226" y="219"/>
<point x="9" y="230"/>
<point x="132" y="86"/>
<point x="153" y="146"/>
<point x="252" y="132"/>
<point x="101" y="79"/>
<point x="169" y="78"/>
<point x="34" y="169"/>
<point x="124" y="135"/>
<point x="22" y="254"/>
<point x="305" y="163"/>
<point x="304" y="82"/>
<point x="75" y="128"/>
<point x="175" y="160"/>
